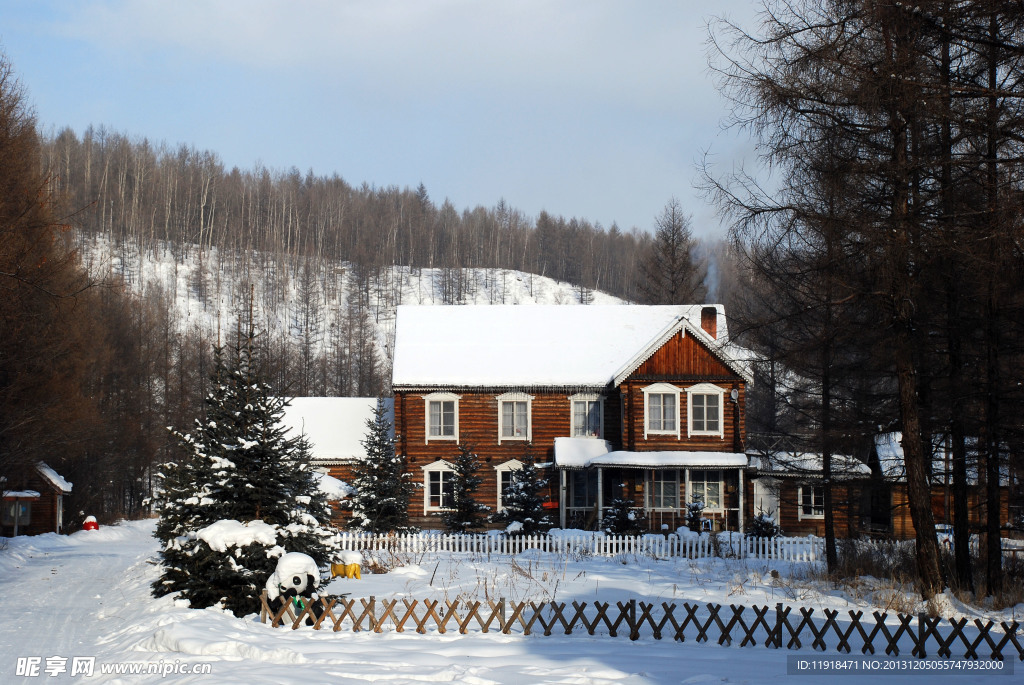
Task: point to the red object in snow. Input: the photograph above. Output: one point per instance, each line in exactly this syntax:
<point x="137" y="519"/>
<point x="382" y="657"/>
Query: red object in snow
<point x="550" y="505"/>
<point x="90" y="523"/>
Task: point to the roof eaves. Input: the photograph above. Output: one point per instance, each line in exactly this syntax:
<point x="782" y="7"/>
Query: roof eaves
<point x="681" y="324"/>
<point x="648" y="351"/>
<point x="570" y="389"/>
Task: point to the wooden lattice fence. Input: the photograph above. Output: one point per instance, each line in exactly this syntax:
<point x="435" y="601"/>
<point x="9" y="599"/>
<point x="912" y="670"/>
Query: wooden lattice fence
<point x="783" y="626"/>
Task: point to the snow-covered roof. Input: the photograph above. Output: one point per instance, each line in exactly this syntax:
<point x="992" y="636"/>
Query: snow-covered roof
<point x="334" y="426"/>
<point x="20" y="494"/>
<point x="53" y="477"/>
<point x="578" y="453"/>
<point x="540" y="345"/>
<point x="807" y="464"/>
<point x="889" y="449"/>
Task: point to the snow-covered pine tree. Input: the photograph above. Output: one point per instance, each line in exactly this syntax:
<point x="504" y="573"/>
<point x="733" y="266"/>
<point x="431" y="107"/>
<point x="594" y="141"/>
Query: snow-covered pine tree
<point x="383" y="489"/>
<point x="522" y="503"/>
<point x="241" y="496"/>
<point x="183" y="500"/>
<point x="466" y="513"/>
<point x="621" y="518"/>
<point x="695" y="515"/>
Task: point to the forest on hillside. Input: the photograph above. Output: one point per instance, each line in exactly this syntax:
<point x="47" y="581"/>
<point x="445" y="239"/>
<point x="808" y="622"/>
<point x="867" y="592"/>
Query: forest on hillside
<point x="173" y="254"/>
<point x="143" y="194"/>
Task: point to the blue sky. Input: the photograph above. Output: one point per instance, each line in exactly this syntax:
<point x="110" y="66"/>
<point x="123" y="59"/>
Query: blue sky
<point x="587" y="108"/>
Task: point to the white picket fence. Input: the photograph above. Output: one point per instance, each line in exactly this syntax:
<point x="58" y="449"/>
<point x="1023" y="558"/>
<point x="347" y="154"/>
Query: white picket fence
<point x="733" y="545"/>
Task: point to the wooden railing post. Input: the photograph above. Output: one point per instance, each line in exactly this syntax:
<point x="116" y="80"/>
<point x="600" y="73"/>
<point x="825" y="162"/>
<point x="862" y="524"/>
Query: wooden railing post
<point x="778" y="625"/>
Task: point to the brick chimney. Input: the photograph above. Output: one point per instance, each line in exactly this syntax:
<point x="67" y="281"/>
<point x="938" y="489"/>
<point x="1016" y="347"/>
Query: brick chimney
<point x="709" y="321"/>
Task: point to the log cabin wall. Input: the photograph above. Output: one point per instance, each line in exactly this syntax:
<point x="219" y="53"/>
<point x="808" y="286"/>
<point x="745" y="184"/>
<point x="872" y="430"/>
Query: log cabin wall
<point x="343" y="472"/>
<point x="683" y="362"/>
<point x="43" y="517"/>
<point x="733" y="426"/>
<point x="846" y="503"/>
<point x="942" y="509"/>
<point x="478" y="426"/>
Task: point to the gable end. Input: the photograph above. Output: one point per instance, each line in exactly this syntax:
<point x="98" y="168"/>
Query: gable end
<point x="681" y="351"/>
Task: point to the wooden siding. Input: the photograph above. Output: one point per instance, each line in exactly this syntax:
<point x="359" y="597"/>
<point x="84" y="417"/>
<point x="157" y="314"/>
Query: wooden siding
<point x="683" y="357"/>
<point x="851" y="514"/>
<point x="942" y="509"/>
<point x="846" y="508"/>
<point x="43" y="518"/>
<point x="550" y="417"/>
<point x="733" y="417"/>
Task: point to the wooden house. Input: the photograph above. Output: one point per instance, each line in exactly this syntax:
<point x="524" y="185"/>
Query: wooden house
<point x="889" y="487"/>
<point x="34" y="502"/>
<point x="335" y="428"/>
<point x="788" y="486"/>
<point x="638" y="402"/>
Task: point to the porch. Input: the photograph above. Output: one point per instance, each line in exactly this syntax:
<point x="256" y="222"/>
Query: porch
<point x="660" y="484"/>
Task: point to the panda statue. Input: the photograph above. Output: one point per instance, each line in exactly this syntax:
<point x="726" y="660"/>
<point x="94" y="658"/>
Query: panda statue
<point x="295" y="580"/>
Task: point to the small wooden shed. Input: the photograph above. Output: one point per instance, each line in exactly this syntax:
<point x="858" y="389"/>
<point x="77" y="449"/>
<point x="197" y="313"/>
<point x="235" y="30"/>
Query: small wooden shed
<point x="36" y="505"/>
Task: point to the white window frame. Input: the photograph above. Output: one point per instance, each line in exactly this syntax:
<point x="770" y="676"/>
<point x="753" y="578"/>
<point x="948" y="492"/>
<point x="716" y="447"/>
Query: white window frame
<point x="502" y="468"/>
<point x="696" y="474"/>
<point x="440" y="397"/>
<point x="439" y="466"/>
<point x="660" y="389"/>
<point x="800" y="502"/>
<point x="651" y="492"/>
<point x="705" y="389"/>
<point x="586" y="397"/>
<point x="512" y="398"/>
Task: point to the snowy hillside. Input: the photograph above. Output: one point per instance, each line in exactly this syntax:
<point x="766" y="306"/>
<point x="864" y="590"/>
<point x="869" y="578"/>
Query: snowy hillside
<point x="304" y="300"/>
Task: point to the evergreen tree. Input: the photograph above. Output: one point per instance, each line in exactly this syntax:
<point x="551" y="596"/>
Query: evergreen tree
<point x="383" y="488"/>
<point x="621" y="518"/>
<point x="241" y="495"/>
<point x="695" y="515"/>
<point x="466" y="513"/>
<point x="522" y="502"/>
<point x="670" y="272"/>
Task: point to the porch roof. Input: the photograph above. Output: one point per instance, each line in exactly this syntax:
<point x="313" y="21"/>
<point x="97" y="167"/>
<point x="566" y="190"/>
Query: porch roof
<point x="21" y="494"/>
<point x="807" y="465"/>
<point x="579" y="453"/>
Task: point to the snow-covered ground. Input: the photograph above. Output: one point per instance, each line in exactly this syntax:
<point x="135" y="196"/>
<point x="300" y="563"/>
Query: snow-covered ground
<point x="87" y="595"/>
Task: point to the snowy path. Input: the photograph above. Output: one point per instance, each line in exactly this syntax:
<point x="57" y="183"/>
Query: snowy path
<point x="61" y="592"/>
<point x="88" y="595"/>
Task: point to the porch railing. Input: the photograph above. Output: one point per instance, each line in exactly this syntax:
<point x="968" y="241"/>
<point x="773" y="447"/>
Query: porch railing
<point x="586" y="518"/>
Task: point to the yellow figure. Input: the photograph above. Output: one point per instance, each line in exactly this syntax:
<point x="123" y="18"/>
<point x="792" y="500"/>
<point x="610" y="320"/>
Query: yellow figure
<point x="348" y="566"/>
